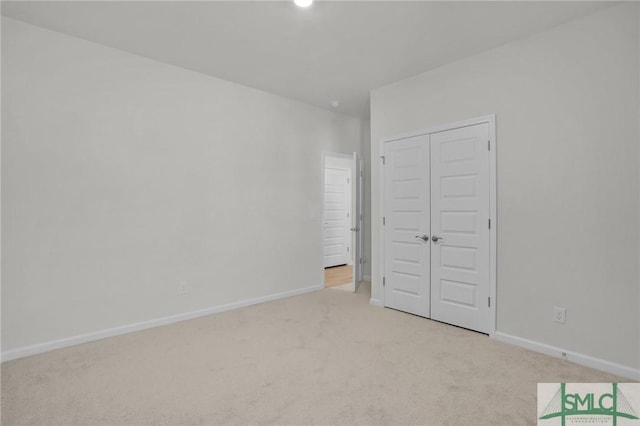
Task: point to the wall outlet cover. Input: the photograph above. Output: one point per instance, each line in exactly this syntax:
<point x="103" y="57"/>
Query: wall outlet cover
<point x="559" y="314"/>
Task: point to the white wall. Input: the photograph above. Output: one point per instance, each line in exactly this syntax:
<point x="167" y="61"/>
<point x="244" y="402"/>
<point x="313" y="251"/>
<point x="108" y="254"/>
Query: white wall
<point x="122" y="177"/>
<point x="567" y="143"/>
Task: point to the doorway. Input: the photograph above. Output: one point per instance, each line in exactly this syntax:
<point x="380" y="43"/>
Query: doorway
<point x="439" y="224"/>
<point x="341" y="221"/>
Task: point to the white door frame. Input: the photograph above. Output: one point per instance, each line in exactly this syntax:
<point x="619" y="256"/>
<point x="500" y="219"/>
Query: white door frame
<point x="354" y="168"/>
<point x="359" y="251"/>
<point x="493" y="204"/>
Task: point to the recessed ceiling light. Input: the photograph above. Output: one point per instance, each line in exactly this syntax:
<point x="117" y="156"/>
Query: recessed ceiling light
<point x="334" y="104"/>
<point x="303" y="3"/>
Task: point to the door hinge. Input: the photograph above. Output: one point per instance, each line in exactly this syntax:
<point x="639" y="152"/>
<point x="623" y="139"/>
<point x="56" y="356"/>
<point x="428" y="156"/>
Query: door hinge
<point x="489" y="223"/>
<point x="384" y="281"/>
<point x="384" y="221"/>
<point x="488" y="301"/>
<point x="360" y="261"/>
<point x="347" y="180"/>
<point x="382" y="156"/>
<point x="489" y="145"/>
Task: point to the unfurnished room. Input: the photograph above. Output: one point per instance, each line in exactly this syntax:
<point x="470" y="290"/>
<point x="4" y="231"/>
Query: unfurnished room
<point x="320" y="213"/>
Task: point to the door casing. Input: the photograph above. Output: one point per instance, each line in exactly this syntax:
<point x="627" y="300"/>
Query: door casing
<point x="493" y="205"/>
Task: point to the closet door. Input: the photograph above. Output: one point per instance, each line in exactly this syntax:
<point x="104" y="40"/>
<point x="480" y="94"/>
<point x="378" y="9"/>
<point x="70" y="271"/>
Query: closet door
<point x="460" y="227"/>
<point x="406" y="229"/>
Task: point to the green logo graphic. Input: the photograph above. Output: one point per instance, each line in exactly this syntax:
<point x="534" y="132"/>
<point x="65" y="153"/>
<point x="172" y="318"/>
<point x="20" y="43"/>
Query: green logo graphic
<point x="613" y="404"/>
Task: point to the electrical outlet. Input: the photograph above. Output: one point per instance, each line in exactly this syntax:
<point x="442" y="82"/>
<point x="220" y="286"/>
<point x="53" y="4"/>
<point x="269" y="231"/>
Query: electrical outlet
<point x="559" y="315"/>
<point x="183" y="287"/>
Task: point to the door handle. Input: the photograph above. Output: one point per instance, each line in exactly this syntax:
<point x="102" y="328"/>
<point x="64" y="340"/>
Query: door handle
<point x="435" y="238"/>
<point x="356" y="229"/>
<point x="423" y="237"/>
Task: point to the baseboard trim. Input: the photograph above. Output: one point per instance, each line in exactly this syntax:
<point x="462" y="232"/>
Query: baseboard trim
<point x="375" y="302"/>
<point x="116" y="331"/>
<point x="576" y="357"/>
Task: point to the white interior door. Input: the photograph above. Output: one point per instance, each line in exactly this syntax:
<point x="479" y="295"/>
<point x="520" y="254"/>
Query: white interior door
<point x="460" y="215"/>
<point x="336" y="217"/>
<point x="356" y="221"/>
<point x="406" y="230"/>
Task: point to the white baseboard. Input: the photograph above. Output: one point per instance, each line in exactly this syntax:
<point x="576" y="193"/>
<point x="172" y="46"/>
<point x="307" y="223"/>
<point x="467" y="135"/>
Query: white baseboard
<point x="576" y="357"/>
<point x="103" y="334"/>
<point x="366" y="278"/>
<point x="376" y="302"/>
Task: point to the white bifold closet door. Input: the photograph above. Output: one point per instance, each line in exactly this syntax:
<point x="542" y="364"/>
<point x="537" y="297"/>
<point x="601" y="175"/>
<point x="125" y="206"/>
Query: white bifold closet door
<point x="460" y="226"/>
<point x="407" y="248"/>
<point x="437" y="186"/>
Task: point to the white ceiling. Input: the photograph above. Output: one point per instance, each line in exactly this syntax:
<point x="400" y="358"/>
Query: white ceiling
<point x="332" y="50"/>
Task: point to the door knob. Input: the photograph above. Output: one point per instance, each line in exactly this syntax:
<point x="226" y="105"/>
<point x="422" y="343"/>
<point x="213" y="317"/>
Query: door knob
<point x="356" y="229"/>
<point x="435" y="238"/>
<point x="423" y="237"/>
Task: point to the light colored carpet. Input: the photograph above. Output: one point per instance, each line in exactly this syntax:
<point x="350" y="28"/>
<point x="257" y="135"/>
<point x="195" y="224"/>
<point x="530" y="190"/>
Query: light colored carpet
<point x="343" y="287"/>
<point x="322" y="358"/>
